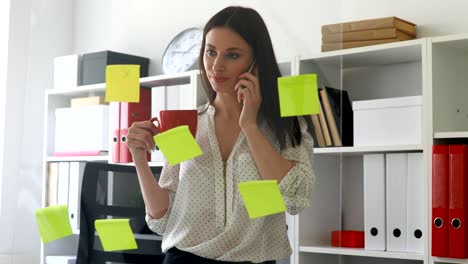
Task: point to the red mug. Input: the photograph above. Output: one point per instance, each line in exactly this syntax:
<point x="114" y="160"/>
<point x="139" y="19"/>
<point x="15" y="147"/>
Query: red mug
<point x="173" y="118"/>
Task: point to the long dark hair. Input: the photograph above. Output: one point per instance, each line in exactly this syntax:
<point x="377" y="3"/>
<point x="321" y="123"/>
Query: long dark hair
<point x="250" y="26"/>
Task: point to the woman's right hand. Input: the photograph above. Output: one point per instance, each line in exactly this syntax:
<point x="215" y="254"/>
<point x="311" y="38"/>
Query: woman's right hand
<point x="140" y="138"/>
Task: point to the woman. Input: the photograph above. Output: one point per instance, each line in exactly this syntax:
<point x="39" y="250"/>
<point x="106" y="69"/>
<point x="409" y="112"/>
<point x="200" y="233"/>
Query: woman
<point x="196" y="205"/>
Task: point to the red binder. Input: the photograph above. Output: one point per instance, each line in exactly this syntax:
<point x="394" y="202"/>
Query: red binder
<point x="115" y="130"/>
<point x="130" y="113"/>
<point x="440" y="223"/>
<point x="458" y="201"/>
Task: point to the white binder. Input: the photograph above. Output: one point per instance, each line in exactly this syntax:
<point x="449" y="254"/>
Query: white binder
<point x="374" y="201"/>
<point x="63" y="180"/>
<point x="74" y="198"/>
<point x="396" y="170"/>
<point x="415" y="202"/>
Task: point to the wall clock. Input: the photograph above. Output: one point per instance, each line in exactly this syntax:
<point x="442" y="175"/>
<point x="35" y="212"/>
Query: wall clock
<point x="183" y="51"/>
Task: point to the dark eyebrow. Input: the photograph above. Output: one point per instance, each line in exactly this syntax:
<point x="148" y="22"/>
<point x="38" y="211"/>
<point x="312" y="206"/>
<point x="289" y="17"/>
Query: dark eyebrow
<point x="230" y="49"/>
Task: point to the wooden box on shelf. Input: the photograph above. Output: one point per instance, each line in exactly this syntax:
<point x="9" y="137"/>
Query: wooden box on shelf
<point x="366" y="32"/>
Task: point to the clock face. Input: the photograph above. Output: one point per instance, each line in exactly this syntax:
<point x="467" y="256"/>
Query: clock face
<point x="183" y="51"/>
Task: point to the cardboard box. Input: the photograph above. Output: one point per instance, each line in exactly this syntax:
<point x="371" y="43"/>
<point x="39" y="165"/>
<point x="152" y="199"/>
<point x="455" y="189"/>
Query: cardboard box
<point x="87" y="101"/>
<point x="391" y="121"/>
<point x="93" y="66"/>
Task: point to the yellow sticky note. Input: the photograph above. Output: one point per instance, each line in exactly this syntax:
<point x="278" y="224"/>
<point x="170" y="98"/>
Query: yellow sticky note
<point x="115" y="234"/>
<point x="123" y="83"/>
<point x="178" y="145"/>
<point x="53" y="223"/>
<point x="261" y="198"/>
<point x="298" y="95"/>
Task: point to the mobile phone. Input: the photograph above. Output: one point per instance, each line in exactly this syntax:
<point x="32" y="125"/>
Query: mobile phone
<point x="251" y="67"/>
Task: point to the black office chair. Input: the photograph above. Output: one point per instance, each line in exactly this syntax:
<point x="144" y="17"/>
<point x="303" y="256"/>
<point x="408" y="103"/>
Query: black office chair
<point x="112" y="191"/>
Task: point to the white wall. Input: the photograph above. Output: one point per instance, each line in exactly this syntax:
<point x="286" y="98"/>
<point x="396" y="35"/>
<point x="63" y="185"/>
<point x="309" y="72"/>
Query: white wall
<point x="17" y="45"/>
<point x="4" y="29"/>
<point x="39" y="31"/>
<point x="145" y="27"/>
<point x="43" y="29"/>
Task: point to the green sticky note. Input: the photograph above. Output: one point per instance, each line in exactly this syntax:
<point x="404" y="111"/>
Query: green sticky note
<point x="53" y="223"/>
<point x="298" y="95"/>
<point x="178" y="145"/>
<point x="123" y="83"/>
<point x="115" y="234"/>
<point x="261" y="198"/>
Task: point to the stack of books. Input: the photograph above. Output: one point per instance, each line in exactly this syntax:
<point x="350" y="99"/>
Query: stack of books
<point x="333" y="125"/>
<point x="366" y="32"/>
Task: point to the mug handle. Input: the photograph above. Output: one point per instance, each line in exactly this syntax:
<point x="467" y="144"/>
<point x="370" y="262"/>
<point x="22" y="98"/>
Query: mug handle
<point x="155" y="119"/>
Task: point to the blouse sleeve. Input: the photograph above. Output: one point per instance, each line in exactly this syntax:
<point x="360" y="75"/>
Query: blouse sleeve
<point x="169" y="180"/>
<point x="297" y="185"/>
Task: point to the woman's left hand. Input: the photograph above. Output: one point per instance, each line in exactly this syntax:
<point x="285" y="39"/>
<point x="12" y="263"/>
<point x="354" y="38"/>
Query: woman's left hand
<point x="248" y="92"/>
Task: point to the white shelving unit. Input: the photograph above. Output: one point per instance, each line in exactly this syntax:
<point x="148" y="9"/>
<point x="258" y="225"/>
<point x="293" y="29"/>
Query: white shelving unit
<point x="375" y="72"/>
<point x="434" y="68"/>
<point x="447" y="68"/>
<point x="182" y="88"/>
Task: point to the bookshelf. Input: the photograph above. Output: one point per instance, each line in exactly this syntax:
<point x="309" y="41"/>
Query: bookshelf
<point x="448" y="61"/>
<point x="179" y="90"/>
<point x="367" y="73"/>
<point x="182" y="90"/>
<point x="433" y="68"/>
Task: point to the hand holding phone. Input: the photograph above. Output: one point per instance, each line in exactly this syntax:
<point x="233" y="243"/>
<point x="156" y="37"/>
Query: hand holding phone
<point x="249" y="96"/>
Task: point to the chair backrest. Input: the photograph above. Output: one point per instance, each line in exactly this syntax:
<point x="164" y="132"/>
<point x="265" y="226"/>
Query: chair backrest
<point x="112" y="191"/>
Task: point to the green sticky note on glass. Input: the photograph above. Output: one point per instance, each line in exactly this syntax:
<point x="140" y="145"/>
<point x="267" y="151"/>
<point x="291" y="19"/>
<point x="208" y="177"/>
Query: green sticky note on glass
<point x="53" y="223"/>
<point x="298" y="95"/>
<point x="178" y="145"/>
<point x="115" y="234"/>
<point x="261" y="198"/>
<point x="123" y="83"/>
